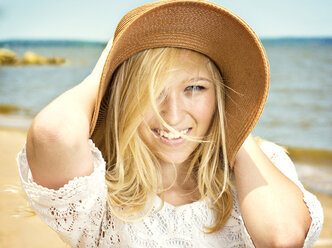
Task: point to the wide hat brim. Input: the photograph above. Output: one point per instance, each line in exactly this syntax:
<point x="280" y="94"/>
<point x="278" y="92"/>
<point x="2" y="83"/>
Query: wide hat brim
<point x="207" y="28"/>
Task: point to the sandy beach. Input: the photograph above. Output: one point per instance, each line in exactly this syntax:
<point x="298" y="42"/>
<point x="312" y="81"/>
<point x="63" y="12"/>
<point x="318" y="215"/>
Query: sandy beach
<point x="31" y="232"/>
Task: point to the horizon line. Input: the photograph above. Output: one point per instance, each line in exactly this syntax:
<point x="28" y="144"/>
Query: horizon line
<point x="103" y="41"/>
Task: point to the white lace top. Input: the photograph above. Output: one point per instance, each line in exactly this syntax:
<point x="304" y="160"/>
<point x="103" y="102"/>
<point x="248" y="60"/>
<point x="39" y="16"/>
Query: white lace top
<point x="78" y="212"/>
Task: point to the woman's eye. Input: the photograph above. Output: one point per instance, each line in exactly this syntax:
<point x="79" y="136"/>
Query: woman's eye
<point x="195" y="88"/>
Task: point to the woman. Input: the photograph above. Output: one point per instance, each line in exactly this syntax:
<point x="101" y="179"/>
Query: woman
<point x="170" y="105"/>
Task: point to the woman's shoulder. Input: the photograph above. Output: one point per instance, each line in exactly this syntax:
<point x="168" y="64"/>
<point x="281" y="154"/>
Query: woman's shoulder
<point x="270" y="147"/>
<point x="279" y="156"/>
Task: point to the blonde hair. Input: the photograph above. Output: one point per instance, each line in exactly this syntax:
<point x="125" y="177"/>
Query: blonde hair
<point x="133" y="171"/>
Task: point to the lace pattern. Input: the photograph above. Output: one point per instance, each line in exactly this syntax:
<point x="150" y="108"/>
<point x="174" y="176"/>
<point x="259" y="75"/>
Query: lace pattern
<point x="78" y="212"/>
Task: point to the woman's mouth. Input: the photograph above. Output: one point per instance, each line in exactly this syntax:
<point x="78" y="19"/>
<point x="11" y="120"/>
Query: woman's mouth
<point x="171" y="138"/>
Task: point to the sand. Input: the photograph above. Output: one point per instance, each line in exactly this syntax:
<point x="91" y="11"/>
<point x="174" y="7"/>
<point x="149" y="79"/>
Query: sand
<point x="31" y="232"/>
<point x="28" y="232"/>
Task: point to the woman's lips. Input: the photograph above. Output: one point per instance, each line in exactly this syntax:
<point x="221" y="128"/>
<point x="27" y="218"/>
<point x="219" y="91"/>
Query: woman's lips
<point x="172" y="142"/>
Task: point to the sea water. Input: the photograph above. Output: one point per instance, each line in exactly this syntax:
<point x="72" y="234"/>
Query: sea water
<point x="298" y="111"/>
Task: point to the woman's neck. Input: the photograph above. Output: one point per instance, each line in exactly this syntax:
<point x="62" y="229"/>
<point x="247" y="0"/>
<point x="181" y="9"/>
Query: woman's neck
<point x="178" y="189"/>
<point x="174" y="175"/>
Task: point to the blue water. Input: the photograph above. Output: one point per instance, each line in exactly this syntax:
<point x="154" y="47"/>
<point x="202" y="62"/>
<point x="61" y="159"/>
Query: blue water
<point x="33" y="87"/>
<point x="297" y="113"/>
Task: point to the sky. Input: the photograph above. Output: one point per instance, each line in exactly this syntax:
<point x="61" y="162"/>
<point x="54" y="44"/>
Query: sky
<point x="96" y="20"/>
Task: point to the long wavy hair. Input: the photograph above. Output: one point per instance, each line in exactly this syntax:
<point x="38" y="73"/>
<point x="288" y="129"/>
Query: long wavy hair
<point x="133" y="172"/>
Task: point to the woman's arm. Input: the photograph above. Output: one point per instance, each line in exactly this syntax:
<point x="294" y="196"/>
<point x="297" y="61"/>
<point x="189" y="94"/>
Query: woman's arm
<point x="272" y="206"/>
<point x="57" y="142"/>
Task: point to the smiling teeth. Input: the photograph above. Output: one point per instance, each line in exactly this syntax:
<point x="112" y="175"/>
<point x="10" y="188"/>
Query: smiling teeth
<point x="172" y="135"/>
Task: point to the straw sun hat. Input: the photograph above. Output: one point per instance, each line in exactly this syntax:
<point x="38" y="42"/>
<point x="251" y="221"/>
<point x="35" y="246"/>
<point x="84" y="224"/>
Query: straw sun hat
<point x="207" y="28"/>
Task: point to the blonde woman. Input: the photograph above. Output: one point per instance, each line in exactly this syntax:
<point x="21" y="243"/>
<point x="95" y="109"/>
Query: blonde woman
<point x="153" y="148"/>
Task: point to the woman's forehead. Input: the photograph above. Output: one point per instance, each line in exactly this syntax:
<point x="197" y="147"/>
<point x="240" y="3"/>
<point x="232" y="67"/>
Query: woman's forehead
<point x="191" y="65"/>
<point x="191" y="57"/>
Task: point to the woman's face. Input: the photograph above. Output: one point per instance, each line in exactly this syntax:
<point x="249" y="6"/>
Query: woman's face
<point x="187" y="105"/>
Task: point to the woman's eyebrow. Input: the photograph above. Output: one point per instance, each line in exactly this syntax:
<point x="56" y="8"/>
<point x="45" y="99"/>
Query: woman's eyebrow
<point x="196" y="79"/>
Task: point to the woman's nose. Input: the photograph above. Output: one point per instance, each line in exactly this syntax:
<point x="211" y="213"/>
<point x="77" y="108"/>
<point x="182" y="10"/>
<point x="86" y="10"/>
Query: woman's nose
<point x="171" y="109"/>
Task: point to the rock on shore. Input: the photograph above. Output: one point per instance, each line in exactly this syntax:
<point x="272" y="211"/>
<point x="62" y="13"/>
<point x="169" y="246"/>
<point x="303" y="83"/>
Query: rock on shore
<point x="31" y="58"/>
<point x="8" y="57"/>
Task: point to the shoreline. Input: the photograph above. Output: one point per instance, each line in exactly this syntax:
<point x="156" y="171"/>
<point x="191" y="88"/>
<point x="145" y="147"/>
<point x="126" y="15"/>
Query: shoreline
<point x="313" y="166"/>
<point x="15" y="121"/>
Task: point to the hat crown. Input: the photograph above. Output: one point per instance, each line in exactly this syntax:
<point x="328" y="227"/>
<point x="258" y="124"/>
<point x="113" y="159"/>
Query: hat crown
<point x="132" y="15"/>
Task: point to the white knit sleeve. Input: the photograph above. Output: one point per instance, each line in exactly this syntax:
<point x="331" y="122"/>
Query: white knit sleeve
<point x="282" y="161"/>
<point x="75" y="211"/>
